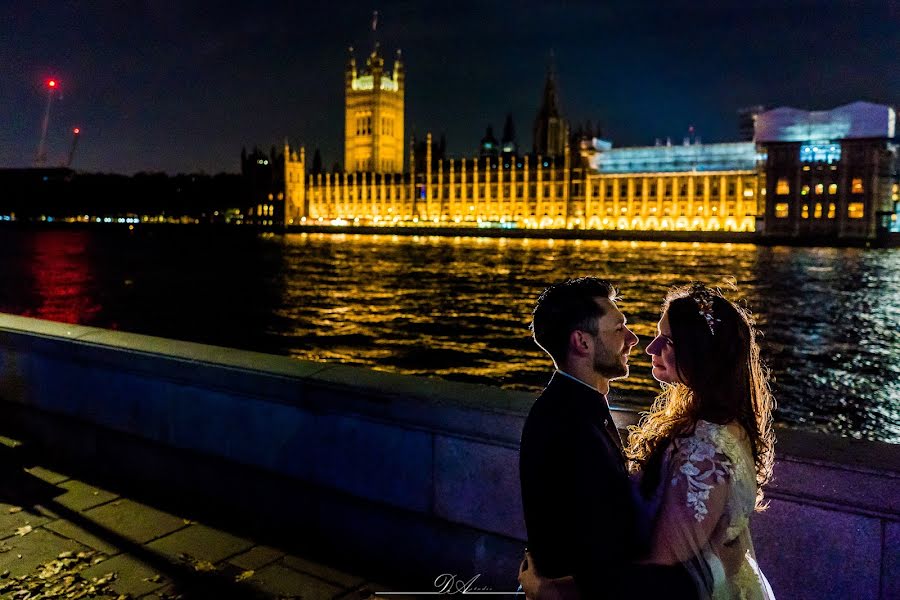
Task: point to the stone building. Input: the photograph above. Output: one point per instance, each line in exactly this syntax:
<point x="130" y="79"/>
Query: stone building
<point x="818" y="181"/>
<point x="829" y="174"/>
<point x="373" y="115"/>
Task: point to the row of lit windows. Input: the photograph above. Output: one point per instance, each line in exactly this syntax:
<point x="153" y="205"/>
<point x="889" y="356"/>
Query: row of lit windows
<point x="465" y="192"/>
<point x="559" y="221"/>
<point x="855" y="210"/>
<point x="364" y="125"/>
<point x="783" y="188"/>
<point x="820" y="189"/>
<point x="387" y="126"/>
<point x="666" y="189"/>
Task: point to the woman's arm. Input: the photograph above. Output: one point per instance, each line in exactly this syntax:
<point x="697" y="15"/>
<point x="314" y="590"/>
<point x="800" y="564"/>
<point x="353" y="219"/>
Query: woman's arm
<point x="695" y="483"/>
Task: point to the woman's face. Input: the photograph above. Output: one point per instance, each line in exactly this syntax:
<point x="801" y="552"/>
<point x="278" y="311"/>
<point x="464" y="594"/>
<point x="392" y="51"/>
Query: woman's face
<point x="662" y="349"/>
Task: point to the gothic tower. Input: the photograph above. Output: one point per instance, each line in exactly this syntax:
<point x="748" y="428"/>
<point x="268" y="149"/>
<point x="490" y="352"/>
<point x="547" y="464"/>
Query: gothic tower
<point x="373" y="123"/>
<point x="549" y="126"/>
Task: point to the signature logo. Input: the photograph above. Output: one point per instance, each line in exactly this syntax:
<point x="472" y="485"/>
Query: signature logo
<point x="450" y="583"/>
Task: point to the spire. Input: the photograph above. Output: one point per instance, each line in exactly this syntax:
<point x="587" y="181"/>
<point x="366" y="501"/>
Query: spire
<point x="508" y="141"/>
<point x="351" y="65"/>
<point x="398" y="67"/>
<point x="550" y="99"/>
<point x="489" y="145"/>
<point x="549" y="126"/>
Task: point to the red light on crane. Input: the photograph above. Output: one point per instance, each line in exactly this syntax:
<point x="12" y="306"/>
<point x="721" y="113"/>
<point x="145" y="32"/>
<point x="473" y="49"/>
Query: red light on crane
<point x="51" y="83"/>
<point x="76" y="131"/>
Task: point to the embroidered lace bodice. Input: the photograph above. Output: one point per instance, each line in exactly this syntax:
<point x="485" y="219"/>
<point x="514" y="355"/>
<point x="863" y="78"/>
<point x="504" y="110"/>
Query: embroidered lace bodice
<point x="706" y="494"/>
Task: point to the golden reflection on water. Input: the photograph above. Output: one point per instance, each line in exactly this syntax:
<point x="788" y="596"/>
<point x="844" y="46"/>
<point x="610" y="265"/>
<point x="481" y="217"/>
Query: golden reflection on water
<point x="459" y="308"/>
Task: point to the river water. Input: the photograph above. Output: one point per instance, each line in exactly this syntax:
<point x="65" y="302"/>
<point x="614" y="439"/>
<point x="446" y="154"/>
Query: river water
<point x="458" y="308"/>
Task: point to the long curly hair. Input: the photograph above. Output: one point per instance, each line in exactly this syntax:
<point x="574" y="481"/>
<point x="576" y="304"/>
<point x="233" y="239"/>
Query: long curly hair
<point x="717" y="356"/>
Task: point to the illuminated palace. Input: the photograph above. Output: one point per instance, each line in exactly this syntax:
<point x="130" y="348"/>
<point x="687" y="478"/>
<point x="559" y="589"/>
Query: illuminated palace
<point x="829" y="173"/>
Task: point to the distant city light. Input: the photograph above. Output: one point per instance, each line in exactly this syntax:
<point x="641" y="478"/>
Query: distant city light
<point x="76" y="131"/>
<point x="51" y="83"/>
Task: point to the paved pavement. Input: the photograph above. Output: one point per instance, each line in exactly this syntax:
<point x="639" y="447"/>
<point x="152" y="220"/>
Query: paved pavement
<point x="61" y="537"/>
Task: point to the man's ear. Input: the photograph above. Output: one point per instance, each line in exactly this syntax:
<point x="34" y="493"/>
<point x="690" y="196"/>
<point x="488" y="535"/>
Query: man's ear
<point x="578" y="343"/>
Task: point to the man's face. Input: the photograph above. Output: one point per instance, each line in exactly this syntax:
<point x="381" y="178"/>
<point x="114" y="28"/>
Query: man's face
<point x="613" y="342"/>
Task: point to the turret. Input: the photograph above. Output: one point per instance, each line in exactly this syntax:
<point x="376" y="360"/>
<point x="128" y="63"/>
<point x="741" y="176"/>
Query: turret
<point x="350" y="71"/>
<point x="374" y="108"/>
<point x="399" y="73"/>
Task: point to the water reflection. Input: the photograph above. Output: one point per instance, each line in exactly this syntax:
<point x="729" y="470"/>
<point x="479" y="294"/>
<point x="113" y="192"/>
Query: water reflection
<point x="459" y="307"/>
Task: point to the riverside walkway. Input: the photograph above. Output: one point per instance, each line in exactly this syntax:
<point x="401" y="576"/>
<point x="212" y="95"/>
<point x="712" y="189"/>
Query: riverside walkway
<point x="64" y="535"/>
<point x="167" y="468"/>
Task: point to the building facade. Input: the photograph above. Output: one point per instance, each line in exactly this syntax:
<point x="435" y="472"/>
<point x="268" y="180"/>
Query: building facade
<point x="830" y="174"/>
<point x="587" y="184"/>
<point x="628" y="189"/>
<point x="262" y="178"/>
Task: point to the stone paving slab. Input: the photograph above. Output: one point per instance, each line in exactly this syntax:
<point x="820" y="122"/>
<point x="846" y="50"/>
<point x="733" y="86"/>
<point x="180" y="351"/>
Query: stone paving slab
<point x="51" y="477"/>
<point x="11" y="519"/>
<point x="323" y="572"/>
<point x="79" y="496"/>
<point x="22" y="554"/>
<point x="256" y="557"/>
<point x="278" y="579"/>
<point x="135" y="521"/>
<point x="132" y="576"/>
<point x="200" y="542"/>
<point x="69" y="530"/>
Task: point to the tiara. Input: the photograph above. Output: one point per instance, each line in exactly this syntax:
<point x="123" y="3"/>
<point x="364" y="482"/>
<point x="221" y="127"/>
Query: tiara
<point x="704" y="300"/>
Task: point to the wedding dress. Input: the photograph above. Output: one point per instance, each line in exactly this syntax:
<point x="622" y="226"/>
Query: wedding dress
<point x="706" y="494"/>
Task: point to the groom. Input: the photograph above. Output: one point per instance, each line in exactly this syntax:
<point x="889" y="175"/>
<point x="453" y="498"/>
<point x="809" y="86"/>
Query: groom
<point x="579" y="512"/>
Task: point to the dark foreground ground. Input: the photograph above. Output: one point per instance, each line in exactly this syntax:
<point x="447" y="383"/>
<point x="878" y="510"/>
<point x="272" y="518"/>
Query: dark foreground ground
<point x="71" y="537"/>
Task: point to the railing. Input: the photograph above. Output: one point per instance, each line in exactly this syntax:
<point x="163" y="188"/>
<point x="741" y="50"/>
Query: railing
<point x="435" y="461"/>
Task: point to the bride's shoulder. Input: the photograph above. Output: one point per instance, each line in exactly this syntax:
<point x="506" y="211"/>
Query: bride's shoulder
<point x="720" y="438"/>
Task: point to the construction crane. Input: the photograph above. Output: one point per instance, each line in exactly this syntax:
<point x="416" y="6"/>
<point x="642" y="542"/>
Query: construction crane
<point x="41" y="157"/>
<point x="76" y="132"/>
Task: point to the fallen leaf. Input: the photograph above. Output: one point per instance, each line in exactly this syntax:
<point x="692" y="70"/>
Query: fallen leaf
<point x="245" y="575"/>
<point x="204" y="566"/>
<point x="23" y="530"/>
<point x="64" y="555"/>
<point x="15" y="509"/>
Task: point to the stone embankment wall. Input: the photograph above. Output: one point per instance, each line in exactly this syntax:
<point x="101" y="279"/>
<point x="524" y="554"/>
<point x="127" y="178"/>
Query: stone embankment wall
<point x="418" y="474"/>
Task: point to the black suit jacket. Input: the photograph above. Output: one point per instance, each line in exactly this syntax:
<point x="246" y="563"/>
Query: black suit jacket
<point x="575" y="490"/>
<point x="579" y="512"/>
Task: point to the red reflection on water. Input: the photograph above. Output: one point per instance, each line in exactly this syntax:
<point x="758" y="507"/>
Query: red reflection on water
<point x="62" y="278"/>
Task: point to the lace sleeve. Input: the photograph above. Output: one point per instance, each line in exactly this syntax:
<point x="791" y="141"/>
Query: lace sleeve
<point x="696" y="479"/>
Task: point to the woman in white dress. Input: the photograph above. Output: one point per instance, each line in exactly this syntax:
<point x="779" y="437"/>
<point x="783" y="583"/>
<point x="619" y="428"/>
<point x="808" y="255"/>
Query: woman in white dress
<point x="703" y="453"/>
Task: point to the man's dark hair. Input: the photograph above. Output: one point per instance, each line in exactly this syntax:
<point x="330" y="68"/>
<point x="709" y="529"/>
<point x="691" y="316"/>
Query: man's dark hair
<point x="566" y="307"/>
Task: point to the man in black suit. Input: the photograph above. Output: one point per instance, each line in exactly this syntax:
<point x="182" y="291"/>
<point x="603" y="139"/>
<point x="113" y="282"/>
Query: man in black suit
<point x="579" y="512"/>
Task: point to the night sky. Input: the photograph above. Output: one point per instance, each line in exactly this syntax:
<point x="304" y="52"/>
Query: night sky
<point x="182" y="86"/>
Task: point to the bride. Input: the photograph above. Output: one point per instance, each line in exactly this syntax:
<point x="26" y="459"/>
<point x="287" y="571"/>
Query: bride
<point x="702" y="455"/>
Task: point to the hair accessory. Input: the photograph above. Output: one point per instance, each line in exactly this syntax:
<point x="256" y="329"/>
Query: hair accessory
<point x="704" y="300"/>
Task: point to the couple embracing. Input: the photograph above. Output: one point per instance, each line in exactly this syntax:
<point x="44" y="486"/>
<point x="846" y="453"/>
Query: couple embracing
<point x="666" y="513"/>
